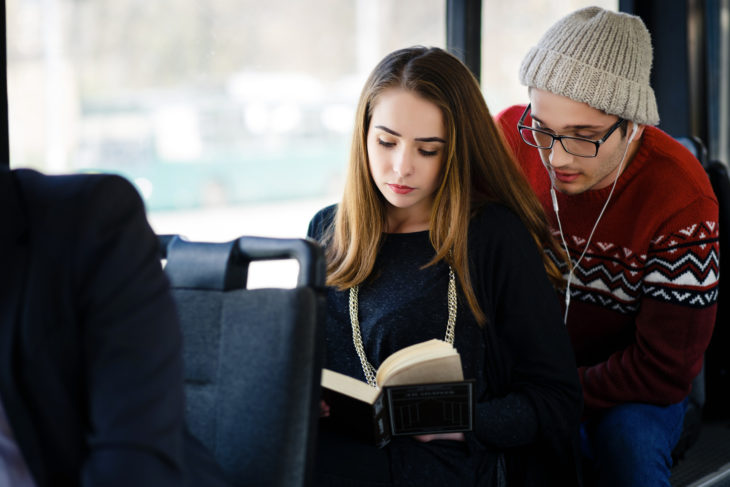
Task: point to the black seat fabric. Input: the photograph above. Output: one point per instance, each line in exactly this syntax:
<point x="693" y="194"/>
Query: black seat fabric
<point x="252" y="357"/>
<point x="717" y="357"/>
<point x="697" y="397"/>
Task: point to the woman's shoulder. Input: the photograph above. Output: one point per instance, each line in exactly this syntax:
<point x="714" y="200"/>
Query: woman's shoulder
<point x="493" y="217"/>
<point x="495" y="224"/>
<point x="321" y="221"/>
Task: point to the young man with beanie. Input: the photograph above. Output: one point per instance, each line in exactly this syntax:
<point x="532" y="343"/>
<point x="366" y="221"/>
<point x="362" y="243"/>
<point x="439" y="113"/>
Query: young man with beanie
<point x="636" y="213"/>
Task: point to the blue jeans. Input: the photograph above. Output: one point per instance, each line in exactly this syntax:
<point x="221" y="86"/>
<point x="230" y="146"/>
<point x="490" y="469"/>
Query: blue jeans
<point x="631" y="444"/>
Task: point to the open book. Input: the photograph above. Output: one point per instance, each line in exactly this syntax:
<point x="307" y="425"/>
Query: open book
<point x="421" y="389"/>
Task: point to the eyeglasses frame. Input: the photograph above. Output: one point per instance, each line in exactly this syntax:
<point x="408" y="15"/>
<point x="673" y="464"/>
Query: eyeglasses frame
<point x="596" y="143"/>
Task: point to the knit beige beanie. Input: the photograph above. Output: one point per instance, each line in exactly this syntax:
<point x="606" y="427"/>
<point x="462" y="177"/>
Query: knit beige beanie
<point x="598" y="57"/>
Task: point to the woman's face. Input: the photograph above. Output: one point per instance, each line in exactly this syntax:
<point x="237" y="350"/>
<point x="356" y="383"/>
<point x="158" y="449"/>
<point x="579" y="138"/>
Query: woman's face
<point x="406" y="143"/>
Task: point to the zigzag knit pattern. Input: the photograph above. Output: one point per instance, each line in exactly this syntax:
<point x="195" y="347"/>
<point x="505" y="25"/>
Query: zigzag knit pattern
<point x="684" y="267"/>
<point x="680" y="268"/>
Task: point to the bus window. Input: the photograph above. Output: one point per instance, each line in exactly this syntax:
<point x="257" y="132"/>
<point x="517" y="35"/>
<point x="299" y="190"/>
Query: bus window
<point x="231" y="117"/>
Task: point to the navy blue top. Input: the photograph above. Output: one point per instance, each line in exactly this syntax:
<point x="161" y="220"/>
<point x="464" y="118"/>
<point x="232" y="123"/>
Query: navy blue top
<point x="526" y="381"/>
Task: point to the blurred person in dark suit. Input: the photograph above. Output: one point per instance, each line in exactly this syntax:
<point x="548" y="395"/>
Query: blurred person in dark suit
<point x="91" y="375"/>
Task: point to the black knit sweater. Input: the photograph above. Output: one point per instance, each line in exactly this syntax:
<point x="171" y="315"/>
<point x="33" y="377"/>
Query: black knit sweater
<point x="528" y="395"/>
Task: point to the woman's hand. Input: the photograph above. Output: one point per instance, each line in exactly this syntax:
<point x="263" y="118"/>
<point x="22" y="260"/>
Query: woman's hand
<point x="324" y="409"/>
<point x="440" y="436"/>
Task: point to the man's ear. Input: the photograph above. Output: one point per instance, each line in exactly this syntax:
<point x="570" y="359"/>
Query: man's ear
<point x="636" y="131"/>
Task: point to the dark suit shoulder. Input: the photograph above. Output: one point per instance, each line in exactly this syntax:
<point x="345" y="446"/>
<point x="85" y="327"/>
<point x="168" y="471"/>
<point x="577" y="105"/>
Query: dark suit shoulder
<point x="78" y="204"/>
<point x="39" y="189"/>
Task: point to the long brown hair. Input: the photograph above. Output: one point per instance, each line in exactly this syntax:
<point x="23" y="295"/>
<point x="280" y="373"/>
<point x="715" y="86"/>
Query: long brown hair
<point x="477" y="168"/>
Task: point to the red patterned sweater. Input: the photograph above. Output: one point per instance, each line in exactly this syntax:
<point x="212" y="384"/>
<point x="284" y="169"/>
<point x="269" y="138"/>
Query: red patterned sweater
<point x="644" y="298"/>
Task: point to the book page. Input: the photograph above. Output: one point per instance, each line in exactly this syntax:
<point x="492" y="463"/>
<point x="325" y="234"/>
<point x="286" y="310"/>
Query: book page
<point x="349" y="386"/>
<point x="426" y="362"/>
<point x="440" y="369"/>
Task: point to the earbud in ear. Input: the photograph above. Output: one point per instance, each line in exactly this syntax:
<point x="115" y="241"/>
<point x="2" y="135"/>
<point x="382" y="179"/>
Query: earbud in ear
<point x="633" y="131"/>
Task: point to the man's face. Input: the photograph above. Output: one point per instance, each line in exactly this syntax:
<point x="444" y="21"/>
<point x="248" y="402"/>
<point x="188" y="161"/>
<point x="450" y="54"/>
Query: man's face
<point x="562" y="116"/>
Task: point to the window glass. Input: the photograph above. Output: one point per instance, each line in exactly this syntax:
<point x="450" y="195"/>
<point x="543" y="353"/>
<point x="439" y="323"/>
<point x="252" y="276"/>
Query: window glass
<point x="232" y="117"/>
<point x="509" y="30"/>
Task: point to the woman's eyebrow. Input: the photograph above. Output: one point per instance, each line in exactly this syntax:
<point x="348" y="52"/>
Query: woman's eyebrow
<point x="419" y="139"/>
<point x="386" y="129"/>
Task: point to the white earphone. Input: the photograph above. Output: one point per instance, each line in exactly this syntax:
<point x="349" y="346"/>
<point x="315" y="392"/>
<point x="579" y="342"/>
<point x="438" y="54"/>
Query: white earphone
<point x="633" y="132"/>
<point x="571" y="266"/>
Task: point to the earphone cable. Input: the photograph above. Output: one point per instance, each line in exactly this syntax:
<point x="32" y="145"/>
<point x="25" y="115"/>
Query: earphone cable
<point x="571" y="266"/>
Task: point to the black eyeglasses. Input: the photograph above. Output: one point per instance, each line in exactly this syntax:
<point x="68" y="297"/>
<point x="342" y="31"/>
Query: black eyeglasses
<point x="578" y="146"/>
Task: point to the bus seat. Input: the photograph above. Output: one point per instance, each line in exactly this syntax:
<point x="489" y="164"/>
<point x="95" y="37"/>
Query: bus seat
<point x="710" y="397"/>
<point x="698" y="395"/>
<point x="717" y="357"/>
<point x="253" y="357"/>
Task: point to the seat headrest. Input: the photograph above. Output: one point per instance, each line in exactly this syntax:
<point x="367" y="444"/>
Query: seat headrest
<point x="204" y="265"/>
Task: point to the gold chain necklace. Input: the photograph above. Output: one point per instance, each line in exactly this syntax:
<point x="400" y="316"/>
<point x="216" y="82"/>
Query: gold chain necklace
<point x="367" y="367"/>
